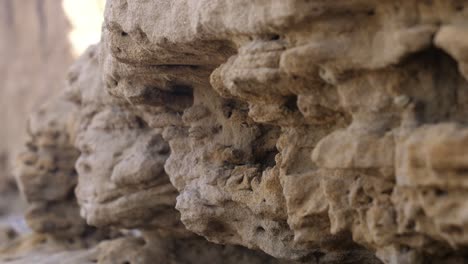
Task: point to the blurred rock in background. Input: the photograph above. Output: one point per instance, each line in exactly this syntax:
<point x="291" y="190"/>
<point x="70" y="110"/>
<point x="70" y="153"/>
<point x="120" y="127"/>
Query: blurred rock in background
<point x="40" y="39"/>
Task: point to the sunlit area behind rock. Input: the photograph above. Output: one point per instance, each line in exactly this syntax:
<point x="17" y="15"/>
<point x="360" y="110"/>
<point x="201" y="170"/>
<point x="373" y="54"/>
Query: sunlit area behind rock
<point x="85" y="17"/>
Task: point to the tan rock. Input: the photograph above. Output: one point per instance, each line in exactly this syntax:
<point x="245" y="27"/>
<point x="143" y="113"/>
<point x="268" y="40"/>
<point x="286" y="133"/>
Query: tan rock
<point x="321" y="132"/>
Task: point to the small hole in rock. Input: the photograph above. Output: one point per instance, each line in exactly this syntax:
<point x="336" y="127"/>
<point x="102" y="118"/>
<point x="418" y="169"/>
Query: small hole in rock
<point x="387" y="192"/>
<point x="217" y="227"/>
<point x="291" y="103"/>
<point x="123" y="34"/>
<point x="260" y="229"/>
<point x="275" y="37"/>
<point x="142" y="242"/>
<point x="140" y="122"/>
<point x="411" y="224"/>
<point x="440" y="192"/>
<point x="228" y="109"/>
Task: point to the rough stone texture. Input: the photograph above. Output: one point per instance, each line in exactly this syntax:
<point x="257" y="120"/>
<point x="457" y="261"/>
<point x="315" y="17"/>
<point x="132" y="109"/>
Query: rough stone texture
<point x="303" y="128"/>
<point x="121" y="184"/>
<point x="314" y="131"/>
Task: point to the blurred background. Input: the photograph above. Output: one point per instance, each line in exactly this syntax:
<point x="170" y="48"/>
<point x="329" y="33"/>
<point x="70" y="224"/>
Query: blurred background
<point x="39" y="40"/>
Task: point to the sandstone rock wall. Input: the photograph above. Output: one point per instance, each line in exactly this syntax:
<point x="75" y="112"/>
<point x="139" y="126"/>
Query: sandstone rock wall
<point x="122" y="188"/>
<point x="309" y="127"/>
<point x="314" y="131"/>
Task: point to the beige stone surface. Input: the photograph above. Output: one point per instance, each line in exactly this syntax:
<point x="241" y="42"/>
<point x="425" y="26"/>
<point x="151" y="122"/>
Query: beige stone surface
<point x="121" y="185"/>
<point x="314" y="131"/>
<point x="294" y="140"/>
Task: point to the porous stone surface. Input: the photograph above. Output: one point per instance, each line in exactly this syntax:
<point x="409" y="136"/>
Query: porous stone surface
<point x="314" y="131"/>
<point x="120" y="185"/>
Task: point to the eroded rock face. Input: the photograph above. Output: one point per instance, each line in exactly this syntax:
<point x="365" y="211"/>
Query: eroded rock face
<point x="299" y="127"/>
<point x="122" y="182"/>
<point x="321" y="132"/>
<point x="45" y="171"/>
<point x="121" y="166"/>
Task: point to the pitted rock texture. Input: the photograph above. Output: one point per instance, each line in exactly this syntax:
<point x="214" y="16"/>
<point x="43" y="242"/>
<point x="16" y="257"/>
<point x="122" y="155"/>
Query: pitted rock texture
<point x="121" y="162"/>
<point x="314" y="131"/>
<point x="304" y="128"/>
<point x="120" y="182"/>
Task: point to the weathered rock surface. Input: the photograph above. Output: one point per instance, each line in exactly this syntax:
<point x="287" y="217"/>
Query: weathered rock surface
<point x="314" y="131"/>
<point x="121" y="184"/>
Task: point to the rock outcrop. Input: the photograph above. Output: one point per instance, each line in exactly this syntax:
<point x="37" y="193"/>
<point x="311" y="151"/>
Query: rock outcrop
<point x="314" y="131"/>
<point x="119" y="178"/>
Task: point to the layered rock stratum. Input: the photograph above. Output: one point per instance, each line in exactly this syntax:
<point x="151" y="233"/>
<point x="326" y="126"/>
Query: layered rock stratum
<point x="259" y="132"/>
